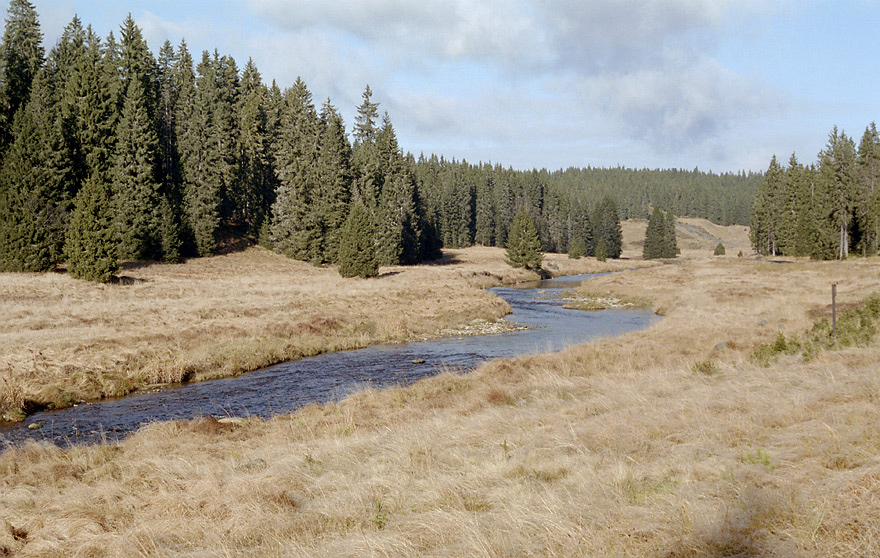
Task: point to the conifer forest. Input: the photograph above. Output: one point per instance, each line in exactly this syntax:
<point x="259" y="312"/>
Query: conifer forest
<point x="826" y="210"/>
<point x="112" y="153"/>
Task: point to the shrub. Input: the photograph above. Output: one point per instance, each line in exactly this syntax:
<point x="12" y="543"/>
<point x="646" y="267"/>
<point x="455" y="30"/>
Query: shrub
<point x="719" y="250"/>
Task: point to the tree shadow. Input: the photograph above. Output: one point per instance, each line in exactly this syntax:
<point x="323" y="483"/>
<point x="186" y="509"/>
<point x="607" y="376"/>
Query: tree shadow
<point x="445" y="259"/>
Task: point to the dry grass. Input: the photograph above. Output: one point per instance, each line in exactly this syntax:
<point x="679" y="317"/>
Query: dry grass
<point x="63" y="340"/>
<point x="632" y="446"/>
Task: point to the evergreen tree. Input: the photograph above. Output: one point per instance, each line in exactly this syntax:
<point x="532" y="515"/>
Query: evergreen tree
<point x="136" y="191"/>
<point x="90" y="245"/>
<point x="655" y="236"/>
<point x="357" y="250"/>
<point x="397" y="224"/>
<point x="767" y="211"/>
<point x="255" y="184"/>
<point x="295" y="229"/>
<point x="868" y="191"/>
<point x="837" y="175"/>
<point x="21" y="57"/>
<point x="606" y="227"/>
<point x="670" y="243"/>
<point x="365" y="156"/>
<point x="523" y="245"/>
<point x="577" y="248"/>
<point x="719" y="249"/>
<point x="36" y="186"/>
<point x="334" y="180"/>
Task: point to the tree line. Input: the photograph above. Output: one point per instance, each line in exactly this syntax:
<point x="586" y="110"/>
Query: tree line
<point x="109" y="153"/>
<point x="829" y="209"/>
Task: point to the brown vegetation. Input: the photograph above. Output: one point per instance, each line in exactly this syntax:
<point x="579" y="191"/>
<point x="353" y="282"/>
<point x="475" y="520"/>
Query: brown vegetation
<point x="668" y="442"/>
<point x="64" y="340"/>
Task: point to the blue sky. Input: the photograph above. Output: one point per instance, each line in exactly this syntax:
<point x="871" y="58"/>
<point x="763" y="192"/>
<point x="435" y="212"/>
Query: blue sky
<point x="717" y="84"/>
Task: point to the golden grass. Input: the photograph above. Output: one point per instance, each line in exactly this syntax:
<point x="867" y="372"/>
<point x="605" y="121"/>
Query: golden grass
<point x="63" y="340"/>
<point x="621" y="447"/>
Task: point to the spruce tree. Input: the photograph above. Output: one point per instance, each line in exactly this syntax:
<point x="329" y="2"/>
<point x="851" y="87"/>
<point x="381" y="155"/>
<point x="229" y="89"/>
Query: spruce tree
<point x="670" y="243"/>
<point x="868" y="191"/>
<point x="21" y="57"/>
<point x="255" y="183"/>
<point x="37" y="185"/>
<point x="295" y="229"/>
<point x="767" y="211"/>
<point x="357" y="249"/>
<point x="334" y="180"/>
<point x="655" y="236"/>
<point x="606" y="227"/>
<point x="397" y="225"/>
<point x="577" y="248"/>
<point x="90" y="245"/>
<point x="136" y="190"/>
<point x="523" y="245"/>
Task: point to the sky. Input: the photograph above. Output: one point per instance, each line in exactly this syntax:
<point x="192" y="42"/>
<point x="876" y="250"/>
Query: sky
<point x="721" y="85"/>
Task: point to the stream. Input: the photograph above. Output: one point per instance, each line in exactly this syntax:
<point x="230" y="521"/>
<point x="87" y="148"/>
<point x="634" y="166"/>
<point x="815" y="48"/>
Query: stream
<point x="285" y="387"/>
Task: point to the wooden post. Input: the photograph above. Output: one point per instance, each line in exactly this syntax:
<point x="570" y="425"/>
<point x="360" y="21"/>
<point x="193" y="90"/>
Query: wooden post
<point x="834" y="310"/>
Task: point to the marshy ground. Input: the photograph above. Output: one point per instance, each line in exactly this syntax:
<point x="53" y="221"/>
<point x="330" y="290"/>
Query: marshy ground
<point x="673" y="441"/>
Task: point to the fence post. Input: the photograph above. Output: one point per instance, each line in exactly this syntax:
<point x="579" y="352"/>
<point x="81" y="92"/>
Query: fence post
<point x="834" y="310"/>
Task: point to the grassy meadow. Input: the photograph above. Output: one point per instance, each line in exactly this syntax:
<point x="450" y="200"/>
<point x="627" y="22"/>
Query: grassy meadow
<point x="63" y="341"/>
<point x="670" y="442"/>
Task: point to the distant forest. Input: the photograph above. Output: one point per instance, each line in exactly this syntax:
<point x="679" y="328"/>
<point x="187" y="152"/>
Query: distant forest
<point x="826" y="210"/>
<point x="110" y="153"/>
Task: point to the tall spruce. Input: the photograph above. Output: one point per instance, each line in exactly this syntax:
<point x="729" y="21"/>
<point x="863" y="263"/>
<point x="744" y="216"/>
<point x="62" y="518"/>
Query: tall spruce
<point x="21" y="57"/>
<point x="655" y="236"/>
<point x="767" y="211"/>
<point x="837" y="174"/>
<point x="36" y="186"/>
<point x="397" y="225"/>
<point x="136" y="190"/>
<point x="606" y="228"/>
<point x="254" y="186"/>
<point x="357" y="249"/>
<point x="90" y="247"/>
<point x="868" y="192"/>
<point x="295" y="230"/>
<point x="334" y="179"/>
<point x="523" y="244"/>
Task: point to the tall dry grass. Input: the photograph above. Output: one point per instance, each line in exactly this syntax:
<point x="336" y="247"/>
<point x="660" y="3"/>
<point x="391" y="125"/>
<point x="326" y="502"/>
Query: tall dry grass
<point x="63" y="340"/>
<point x="632" y="446"/>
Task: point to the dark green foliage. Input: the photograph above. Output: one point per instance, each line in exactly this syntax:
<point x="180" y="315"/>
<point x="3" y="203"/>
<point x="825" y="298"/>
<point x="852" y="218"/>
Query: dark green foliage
<point x="523" y="245"/>
<point x="295" y="230"/>
<point x="36" y="186"/>
<point x="766" y="211"/>
<point x="601" y="250"/>
<point x="21" y="57"/>
<point x="90" y="245"/>
<point x="606" y="228"/>
<point x="823" y="211"/>
<point x="577" y="249"/>
<point x="334" y="177"/>
<point x="719" y="250"/>
<point x="135" y="188"/>
<point x="655" y="236"/>
<point x="357" y="250"/>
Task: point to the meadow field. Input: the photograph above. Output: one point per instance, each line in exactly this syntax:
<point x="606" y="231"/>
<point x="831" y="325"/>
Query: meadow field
<point x="673" y="441"/>
<point x="63" y="341"/>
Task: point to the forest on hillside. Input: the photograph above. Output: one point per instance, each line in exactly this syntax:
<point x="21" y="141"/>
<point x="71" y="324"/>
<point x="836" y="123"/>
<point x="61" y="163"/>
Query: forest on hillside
<point x="826" y="210"/>
<point x="110" y="153"/>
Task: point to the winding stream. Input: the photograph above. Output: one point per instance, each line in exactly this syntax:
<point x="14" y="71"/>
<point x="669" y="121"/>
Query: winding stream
<point x="288" y="386"/>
